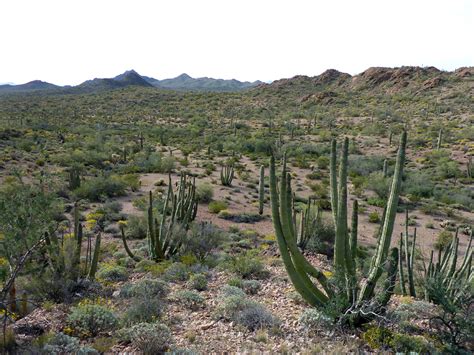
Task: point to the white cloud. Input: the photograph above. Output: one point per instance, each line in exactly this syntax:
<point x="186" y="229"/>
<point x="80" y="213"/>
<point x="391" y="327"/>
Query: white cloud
<point x="67" y="42"/>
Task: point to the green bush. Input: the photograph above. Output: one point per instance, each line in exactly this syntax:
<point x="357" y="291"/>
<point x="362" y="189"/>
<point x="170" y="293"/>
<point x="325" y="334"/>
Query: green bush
<point x="65" y="344"/>
<point x="240" y="218"/>
<point x="100" y="188"/>
<point x="143" y="309"/>
<point x="112" y="273"/>
<point x="202" y="239"/>
<point x="251" y="287"/>
<point x="378" y="337"/>
<point x="153" y="288"/>
<point x="217" y="206"/>
<point x="443" y="240"/>
<point x="198" y="282"/>
<point x="150" y="338"/>
<point x="204" y="192"/>
<point x="247" y="266"/>
<point x="176" y="272"/>
<point x="91" y="320"/>
<point x="189" y="299"/>
<point x="374" y="217"/>
<point x="313" y="319"/>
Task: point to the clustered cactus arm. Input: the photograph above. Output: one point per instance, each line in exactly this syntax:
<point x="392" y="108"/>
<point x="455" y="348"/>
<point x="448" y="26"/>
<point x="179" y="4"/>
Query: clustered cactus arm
<point x="179" y="210"/>
<point x="227" y="175"/>
<point x="388" y="222"/>
<point x="301" y="272"/>
<point x="446" y="273"/>
<point x="57" y="258"/>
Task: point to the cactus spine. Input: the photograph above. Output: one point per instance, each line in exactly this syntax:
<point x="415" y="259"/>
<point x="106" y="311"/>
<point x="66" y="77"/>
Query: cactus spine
<point x="261" y="190"/>
<point x="301" y="271"/>
<point x="227" y="175"/>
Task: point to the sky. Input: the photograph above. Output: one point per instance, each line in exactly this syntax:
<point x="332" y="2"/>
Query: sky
<point x="66" y="42"/>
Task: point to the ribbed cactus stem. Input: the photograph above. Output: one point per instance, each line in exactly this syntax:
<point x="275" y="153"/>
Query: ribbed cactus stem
<point x="341" y="241"/>
<point x="440" y="139"/>
<point x="261" y="190"/>
<point x="400" y="267"/>
<point x="333" y="180"/>
<point x="227" y="175"/>
<point x="385" y="168"/>
<point x="387" y="225"/>
<point x="95" y="258"/>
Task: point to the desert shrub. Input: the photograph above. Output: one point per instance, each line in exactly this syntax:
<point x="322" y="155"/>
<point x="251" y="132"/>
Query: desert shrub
<point x="112" y="273"/>
<point x="247" y="266"/>
<point x="204" y="192"/>
<point x="251" y="287"/>
<point x="245" y="312"/>
<point x="240" y="218"/>
<point x="378" y="184"/>
<point x="377" y="337"/>
<point x="322" y="238"/>
<point x="198" y="282"/>
<point x="189" y="299"/>
<point x="136" y="227"/>
<point x="176" y="272"/>
<point x="311" y="318"/>
<point x="403" y="343"/>
<point x="374" y="217"/>
<point x="364" y="165"/>
<point x="132" y="181"/>
<point x="143" y="309"/>
<point x="153" y="288"/>
<point x="418" y="184"/>
<point x="100" y="188"/>
<point x="202" y="239"/>
<point x="151" y="338"/>
<point x="235" y="282"/>
<point x="228" y="291"/>
<point x="323" y="162"/>
<point x="443" y="240"/>
<point x="104" y="344"/>
<point x="65" y="344"/>
<point x="463" y="197"/>
<point x="91" y="320"/>
<point x="376" y="201"/>
<point x="217" y="206"/>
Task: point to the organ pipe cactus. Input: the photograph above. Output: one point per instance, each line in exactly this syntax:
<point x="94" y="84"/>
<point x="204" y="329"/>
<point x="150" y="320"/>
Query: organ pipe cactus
<point x="261" y="190"/>
<point x="385" y="168"/>
<point x="470" y="171"/>
<point x="227" y="175"/>
<point x="57" y="257"/>
<point x="74" y="179"/>
<point x="447" y="274"/>
<point x="310" y="282"/>
<point x="440" y="139"/>
<point x="179" y="210"/>
<point x="309" y="220"/>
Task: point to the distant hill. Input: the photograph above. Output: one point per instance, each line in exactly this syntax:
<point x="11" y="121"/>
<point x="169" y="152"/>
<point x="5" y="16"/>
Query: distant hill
<point x="30" y="86"/>
<point x="129" y="78"/>
<point x="184" y="82"/>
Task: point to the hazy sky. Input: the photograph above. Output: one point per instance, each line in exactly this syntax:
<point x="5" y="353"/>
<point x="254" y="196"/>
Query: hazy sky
<point x="69" y="41"/>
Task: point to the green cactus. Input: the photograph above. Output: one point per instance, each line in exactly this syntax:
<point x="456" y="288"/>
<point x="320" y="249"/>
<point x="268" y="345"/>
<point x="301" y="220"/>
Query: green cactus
<point x="179" y="210"/>
<point x="470" y="171"/>
<point x="57" y="258"/>
<point x="385" y="168"/>
<point x="310" y="282"/>
<point x="309" y="220"/>
<point x="74" y="180"/>
<point x="261" y="190"/>
<point x="440" y="139"/>
<point x="390" y="137"/>
<point x="227" y="175"/>
<point x="455" y="278"/>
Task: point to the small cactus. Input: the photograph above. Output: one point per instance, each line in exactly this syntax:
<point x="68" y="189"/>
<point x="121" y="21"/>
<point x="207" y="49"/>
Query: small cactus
<point x="227" y="175"/>
<point x="261" y="190"/>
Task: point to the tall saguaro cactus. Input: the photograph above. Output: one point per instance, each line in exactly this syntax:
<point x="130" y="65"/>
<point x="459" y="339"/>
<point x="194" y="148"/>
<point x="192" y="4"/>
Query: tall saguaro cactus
<point x="310" y="282"/>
